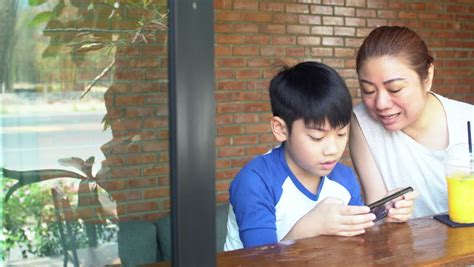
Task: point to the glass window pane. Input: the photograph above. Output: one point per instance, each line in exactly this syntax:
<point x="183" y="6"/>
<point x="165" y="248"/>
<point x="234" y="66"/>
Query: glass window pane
<point x="84" y="144"/>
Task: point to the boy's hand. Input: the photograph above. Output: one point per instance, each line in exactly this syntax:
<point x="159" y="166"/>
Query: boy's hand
<point x="402" y="207"/>
<point x="332" y="217"/>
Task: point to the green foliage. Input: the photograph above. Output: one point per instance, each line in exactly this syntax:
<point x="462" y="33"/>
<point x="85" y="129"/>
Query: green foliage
<point x="29" y="223"/>
<point x="83" y="26"/>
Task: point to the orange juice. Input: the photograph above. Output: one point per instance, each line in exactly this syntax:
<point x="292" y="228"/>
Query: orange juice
<point x="461" y="197"/>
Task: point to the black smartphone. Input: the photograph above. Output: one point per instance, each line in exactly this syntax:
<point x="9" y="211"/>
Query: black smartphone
<point x="380" y="207"/>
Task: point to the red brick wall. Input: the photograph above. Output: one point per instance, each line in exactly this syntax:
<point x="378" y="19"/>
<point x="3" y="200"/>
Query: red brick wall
<point x="253" y="38"/>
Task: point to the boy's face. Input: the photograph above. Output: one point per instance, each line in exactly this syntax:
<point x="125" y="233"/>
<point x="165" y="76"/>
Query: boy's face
<point x="314" y="151"/>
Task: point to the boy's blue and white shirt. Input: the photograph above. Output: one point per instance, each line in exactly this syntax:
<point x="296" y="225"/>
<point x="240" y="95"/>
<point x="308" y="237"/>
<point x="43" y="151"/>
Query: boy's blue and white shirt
<point x="266" y="199"/>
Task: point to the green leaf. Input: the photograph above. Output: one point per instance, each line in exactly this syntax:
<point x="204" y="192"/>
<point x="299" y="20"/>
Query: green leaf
<point x="41" y="18"/>
<point x="36" y="2"/>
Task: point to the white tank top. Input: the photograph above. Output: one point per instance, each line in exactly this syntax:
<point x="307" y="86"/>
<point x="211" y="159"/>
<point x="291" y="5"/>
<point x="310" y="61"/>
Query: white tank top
<point x="404" y="162"/>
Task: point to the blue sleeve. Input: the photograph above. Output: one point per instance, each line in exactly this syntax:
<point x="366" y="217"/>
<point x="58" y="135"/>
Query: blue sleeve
<point x="346" y="177"/>
<point x="252" y="200"/>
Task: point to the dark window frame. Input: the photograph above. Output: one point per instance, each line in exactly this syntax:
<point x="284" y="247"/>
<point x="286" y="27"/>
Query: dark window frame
<point x="192" y="132"/>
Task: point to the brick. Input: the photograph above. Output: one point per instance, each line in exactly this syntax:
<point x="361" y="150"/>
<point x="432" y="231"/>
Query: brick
<point x="226" y="174"/>
<point x="366" y="13"/>
<point x="223" y="140"/>
<point x="266" y="138"/>
<point x="273" y="28"/>
<point x="223" y="152"/>
<point x="246" y="28"/>
<point x="125" y="172"/>
<point x="156" y="170"/>
<point x="272" y="51"/>
<point x="388" y="14"/>
<point x="333" y="41"/>
<point x="283" y="40"/>
<point x="229" y="39"/>
<point x="129" y="75"/>
<point x="155" y="146"/>
<point x="222" y="186"/>
<point x="344" y="31"/>
<point x="223" y="4"/>
<point x="246" y="96"/>
<point x="363" y="32"/>
<point x="142" y="158"/>
<point x="229" y="16"/>
<point x="224" y="74"/>
<point x="257" y="150"/>
<point x="230" y="130"/>
<point x="229" y="107"/>
<point x="333" y="20"/>
<point x="407" y="15"/>
<point x="231" y="85"/>
<point x="245" y="51"/>
<point x="377" y="4"/>
<point x="257" y="39"/>
<point x="344" y="11"/>
<point x="359" y="22"/>
<point x="258" y="85"/>
<point x="230" y="62"/>
<point x="309" y="40"/>
<point x="222" y="163"/>
<point x="156" y="192"/>
<point x="285" y="18"/>
<point x="246" y="5"/>
<point x="246" y="74"/>
<point x="297" y="8"/>
<point x="344" y="52"/>
<point x="377" y="22"/>
<point x="224" y="119"/>
<point x="333" y="2"/>
<point x="296" y="52"/>
<point x="141" y="207"/>
<point x="245" y="118"/>
<point x="257" y="128"/>
<point x="276" y="7"/>
<point x="259" y="62"/>
<point x="139" y="112"/>
<point x="245" y="140"/>
<point x="252" y="107"/>
<point x="322" y="52"/>
<point x="334" y="62"/>
<point x="322" y="10"/>
<point x="298" y="29"/>
<point x="127" y="196"/>
<point x="240" y="162"/>
<point x="309" y="19"/>
<point x="258" y="17"/>
<point x="322" y="30"/>
<point x="142" y="182"/>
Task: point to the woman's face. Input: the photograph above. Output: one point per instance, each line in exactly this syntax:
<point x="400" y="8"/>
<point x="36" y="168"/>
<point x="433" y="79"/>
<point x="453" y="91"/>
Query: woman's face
<point x="392" y="92"/>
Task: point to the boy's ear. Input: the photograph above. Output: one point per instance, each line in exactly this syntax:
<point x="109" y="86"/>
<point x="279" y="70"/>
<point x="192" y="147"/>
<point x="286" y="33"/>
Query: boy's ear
<point x="279" y="129"/>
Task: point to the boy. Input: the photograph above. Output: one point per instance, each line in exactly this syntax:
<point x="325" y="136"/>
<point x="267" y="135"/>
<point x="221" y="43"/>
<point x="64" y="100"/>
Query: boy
<point x="298" y="189"/>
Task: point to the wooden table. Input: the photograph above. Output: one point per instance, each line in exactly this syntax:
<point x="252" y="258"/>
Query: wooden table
<point x="419" y="242"/>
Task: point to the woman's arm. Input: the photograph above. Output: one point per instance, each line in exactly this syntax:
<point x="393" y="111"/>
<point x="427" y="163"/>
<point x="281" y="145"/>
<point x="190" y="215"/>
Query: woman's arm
<point x="364" y="164"/>
<point x="372" y="181"/>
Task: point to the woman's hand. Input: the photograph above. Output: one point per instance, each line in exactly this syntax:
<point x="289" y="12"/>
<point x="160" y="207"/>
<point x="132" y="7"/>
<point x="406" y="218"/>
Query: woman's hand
<point x="402" y="207"/>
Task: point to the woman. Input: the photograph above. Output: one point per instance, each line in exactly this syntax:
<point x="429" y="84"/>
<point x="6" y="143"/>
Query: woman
<point x="401" y="130"/>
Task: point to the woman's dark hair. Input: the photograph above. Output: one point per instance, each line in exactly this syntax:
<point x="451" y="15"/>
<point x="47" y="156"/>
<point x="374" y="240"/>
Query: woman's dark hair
<point x="396" y="41"/>
<point x="312" y="91"/>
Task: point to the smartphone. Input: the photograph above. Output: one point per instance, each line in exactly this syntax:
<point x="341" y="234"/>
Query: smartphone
<point x="380" y="207"/>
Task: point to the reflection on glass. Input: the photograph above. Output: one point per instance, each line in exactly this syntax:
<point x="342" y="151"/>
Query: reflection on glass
<point x="79" y="154"/>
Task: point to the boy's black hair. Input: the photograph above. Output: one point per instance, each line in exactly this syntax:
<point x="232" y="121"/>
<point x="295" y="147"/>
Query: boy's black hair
<point x="312" y="91"/>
